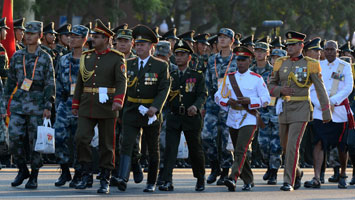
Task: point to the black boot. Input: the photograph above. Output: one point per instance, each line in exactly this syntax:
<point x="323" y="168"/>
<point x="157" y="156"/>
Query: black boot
<point x="273" y="177"/>
<point x="200" y="184"/>
<point x="76" y="179"/>
<point x="104" y="182"/>
<point x="231" y="184"/>
<point x="223" y="176"/>
<point x="32" y="182"/>
<point x="152" y="174"/>
<point x="86" y="179"/>
<point x="21" y="175"/>
<point x="215" y="172"/>
<point x="64" y="177"/>
<point x="266" y="175"/>
<point x="123" y="172"/>
<point x="114" y="176"/>
<point x="137" y="172"/>
<point x="335" y="177"/>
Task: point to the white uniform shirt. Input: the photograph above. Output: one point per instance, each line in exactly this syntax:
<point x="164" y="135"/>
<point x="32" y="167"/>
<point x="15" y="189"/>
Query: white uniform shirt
<point x="344" y="89"/>
<point x="251" y="85"/>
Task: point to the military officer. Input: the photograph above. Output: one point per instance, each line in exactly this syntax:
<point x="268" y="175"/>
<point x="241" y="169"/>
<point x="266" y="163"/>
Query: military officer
<point x="115" y="30"/>
<point x="189" y="38"/>
<point x="147" y="90"/>
<point x="291" y="79"/>
<point x="218" y="66"/>
<point x="3" y="140"/>
<point x="201" y="46"/>
<point x="268" y="137"/>
<point x="31" y="69"/>
<point x="275" y="54"/>
<point x="99" y="94"/>
<point x="237" y="42"/>
<point x="63" y="41"/>
<point x="187" y="96"/>
<point x="240" y="94"/>
<point x="4" y="60"/>
<point x="66" y="123"/>
<point x="19" y="30"/>
<point x="213" y="44"/>
<point x="125" y="42"/>
<point x="170" y="36"/>
<point x="49" y="33"/>
<point x="276" y="43"/>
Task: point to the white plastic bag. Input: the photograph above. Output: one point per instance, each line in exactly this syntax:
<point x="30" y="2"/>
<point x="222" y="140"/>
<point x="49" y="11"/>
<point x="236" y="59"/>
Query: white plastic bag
<point x="45" y="142"/>
<point x="230" y="146"/>
<point x="95" y="139"/>
<point x="183" y="151"/>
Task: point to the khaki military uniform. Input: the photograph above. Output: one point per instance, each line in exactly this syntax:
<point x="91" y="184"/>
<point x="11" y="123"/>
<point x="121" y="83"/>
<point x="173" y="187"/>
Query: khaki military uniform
<point x="299" y="74"/>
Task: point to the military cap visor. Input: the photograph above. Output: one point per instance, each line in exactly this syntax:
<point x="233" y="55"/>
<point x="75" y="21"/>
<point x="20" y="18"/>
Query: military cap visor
<point x="182" y="46"/>
<point x="171" y="34"/>
<point x="346" y="47"/>
<point x="188" y="36"/>
<point x="262" y="45"/>
<point x="79" y="30"/>
<point x="243" y="53"/>
<point x="3" y="23"/>
<point x="102" y="29"/>
<point x="34" y="27"/>
<point x="124" y="33"/>
<point x="49" y="28"/>
<point x="202" y="38"/>
<point x="18" y="24"/>
<point x="293" y="37"/>
<point x="64" y="29"/>
<point x="142" y="33"/>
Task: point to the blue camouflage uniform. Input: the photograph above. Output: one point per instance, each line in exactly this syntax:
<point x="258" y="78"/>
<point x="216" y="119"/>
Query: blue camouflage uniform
<point x="2" y="112"/>
<point x="268" y="138"/>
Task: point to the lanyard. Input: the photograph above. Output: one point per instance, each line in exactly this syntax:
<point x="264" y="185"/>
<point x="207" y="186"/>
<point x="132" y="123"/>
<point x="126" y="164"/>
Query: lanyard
<point x="24" y="67"/>
<point x="215" y="66"/>
<point x="70" y="73"/>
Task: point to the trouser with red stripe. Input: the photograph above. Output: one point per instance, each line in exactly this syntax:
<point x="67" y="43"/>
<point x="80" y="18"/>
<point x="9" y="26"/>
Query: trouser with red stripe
<point x="291" y="137"/>
<point x="241" y="139"/>
<point x="84" y="135"/>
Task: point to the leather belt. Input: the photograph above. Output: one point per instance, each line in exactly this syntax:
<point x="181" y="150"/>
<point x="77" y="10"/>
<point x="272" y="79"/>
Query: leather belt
<point x="96" y="90"/>
<point x="136" y="100"/>
<point x="295" y="98"/>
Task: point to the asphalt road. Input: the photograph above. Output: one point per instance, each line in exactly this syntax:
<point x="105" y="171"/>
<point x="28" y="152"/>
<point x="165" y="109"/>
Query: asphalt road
<point x="184" y="188"/>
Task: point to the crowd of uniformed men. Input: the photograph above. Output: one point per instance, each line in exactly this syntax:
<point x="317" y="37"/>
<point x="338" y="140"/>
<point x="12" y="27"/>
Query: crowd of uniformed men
<point x="225" y="92"/>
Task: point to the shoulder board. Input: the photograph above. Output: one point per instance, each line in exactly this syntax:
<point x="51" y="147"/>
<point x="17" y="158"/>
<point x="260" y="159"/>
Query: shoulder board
<point x="313" y="65"/>
<point x="130" y="59"/>
<point x="117" y="52"/>
<point x="88" y="51"/>
<point x="279" y="62"/>
<point x="232" y="73"/>
<point x="255" y="74"/>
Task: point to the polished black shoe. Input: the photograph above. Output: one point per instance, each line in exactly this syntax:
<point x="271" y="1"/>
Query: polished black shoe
<point x="231" y="184"/>
<point x="137" y="173"/>
<point x="32" y="182"/>
<point x="215" y="172"/>
<point x="85" y="182"/>
<point x="64" y="177"/>
<point x="21" y="175"/>
<point x="223" y="177"/>
<point x="298" y="181"/>
<point x="335" y="177"/>
<point x="200" y="184"/>
<point x="247" y="187"/>
<point x="267" y="174"/>
<point x="76" y="179"/>
<point x="352" y="182"/>
<point x="121" y="184"/>
<point x="273" y="177"/>
<point x="167" y="186"/>
<point x="149" y="188"/>
<point x="342" y="182"/>
<point x="123" y="172"/>
<point x="104" y="182"/>
<point x="314" y="183"/>
<point x="286" y="187"/>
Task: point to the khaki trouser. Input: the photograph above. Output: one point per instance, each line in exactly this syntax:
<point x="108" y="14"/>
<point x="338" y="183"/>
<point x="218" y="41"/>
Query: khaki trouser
<point x="291" y="138"/>
<point x="241" y="139"/>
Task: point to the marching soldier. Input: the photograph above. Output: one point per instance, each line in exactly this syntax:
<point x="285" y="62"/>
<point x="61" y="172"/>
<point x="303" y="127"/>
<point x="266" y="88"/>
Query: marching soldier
<point x="4" y="60"/>
<point x="147" y="90"/>
<point x="49" y="33"/>
<point x="240" y="94"/>
<point x="187" y="96"/>
<point x="125" y="42"/>
<point x="189" y="38"/>
<point x="213" y="40"/>
<point x="201" y="47"/>
<point x="291" y="80"/>
<point x="99" y="94"/>
<point x="276" y="43"/>
<point x="66" y="123"/>
<point x="275" y="54"/>
<point x="19" y="30"/>
<point x="219" y="65"/>
<point x="32" y="71"/>
<point x="63" y="40"/>
<point x="170" y="36"/>
<point x="248" y="42"/>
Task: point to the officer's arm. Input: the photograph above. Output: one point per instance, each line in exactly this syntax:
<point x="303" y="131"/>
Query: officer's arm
<point x="11" y="80"/>
<point x="201" y="92"/>
<point x="49" y="85"/>
<point x="163" y="88"/>
<point x="314" y="97"/>
<point x="263" y="98"/>
<point x="341" y="95"/>
<point x="317" y="80"/>
<point x="77" y="92"/>
<point x="274" y="84"/>
<point x="121" y="81"/>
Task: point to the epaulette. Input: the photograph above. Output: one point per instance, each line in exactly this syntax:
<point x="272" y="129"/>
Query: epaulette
<point x="279" y="61"/>
<point x="129" y="59"/>
<point x="88" y="51"/>
<point x="117" y="52"/>
<point x="255" y="74"/>
<point x="312" y="65"/>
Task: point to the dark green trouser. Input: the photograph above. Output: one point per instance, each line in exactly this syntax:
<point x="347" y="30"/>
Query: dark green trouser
<point x="241" y="139"/>
<point x="196" y="154"/>
<point x="129" y="139"/>
<point x="84" y="135"/>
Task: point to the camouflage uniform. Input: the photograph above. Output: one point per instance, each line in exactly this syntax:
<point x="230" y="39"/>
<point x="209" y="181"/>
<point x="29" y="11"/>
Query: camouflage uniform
<point x="4" y="61"/>
<point x="27" y="106"/>
<point x="268" y="137"/>
<point x="2" y="111"/>
<point x="66" y="123"/>
<point x="215" y="118"/>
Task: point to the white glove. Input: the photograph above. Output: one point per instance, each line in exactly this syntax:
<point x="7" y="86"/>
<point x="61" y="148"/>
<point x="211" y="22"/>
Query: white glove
<point x="143" y="110"/>
<point x="103" y="95"/>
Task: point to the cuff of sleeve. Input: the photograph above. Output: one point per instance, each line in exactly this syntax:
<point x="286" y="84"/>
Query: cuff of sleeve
<point x="223" y="103"/>
<point x="254" y="103"/>
<point x="119" y="98"/>
<point x="75" y="104"/>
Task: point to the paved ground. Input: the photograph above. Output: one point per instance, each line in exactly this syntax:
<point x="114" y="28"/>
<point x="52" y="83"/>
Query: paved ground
<point x="184" y="189"/>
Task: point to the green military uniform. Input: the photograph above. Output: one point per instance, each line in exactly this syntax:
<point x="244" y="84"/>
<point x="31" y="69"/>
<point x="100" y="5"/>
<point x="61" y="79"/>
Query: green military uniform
<point x="189" y="37"/>
<point x="148" y="85"/>
<point x="18" y="24"/>
<point x="299" y="74"/>
<point x="187" y="89"/>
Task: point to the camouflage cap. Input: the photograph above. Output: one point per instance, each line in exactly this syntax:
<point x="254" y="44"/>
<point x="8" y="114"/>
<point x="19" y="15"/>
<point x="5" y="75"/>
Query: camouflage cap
<point x="34" y="27"/>
<point x="261" y="45"/>
<point x="278" y="52"/>
<point x="226" y="31"/>
<point x="124" y="33"/>
<point x="162" y="48"/>
<point x="80" y="30"/>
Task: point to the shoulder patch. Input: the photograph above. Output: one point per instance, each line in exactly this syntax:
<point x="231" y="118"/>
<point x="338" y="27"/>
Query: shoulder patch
<point x="88" y="51"/>
<point x="117" y="52"/>
<point x="255" y="74"/>
<point x="279" y="62"/>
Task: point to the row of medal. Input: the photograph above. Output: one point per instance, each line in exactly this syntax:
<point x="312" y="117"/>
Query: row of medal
<point x="300" y="73"/>
<point x="190" y="83"/>
<point x="150" y="78"/>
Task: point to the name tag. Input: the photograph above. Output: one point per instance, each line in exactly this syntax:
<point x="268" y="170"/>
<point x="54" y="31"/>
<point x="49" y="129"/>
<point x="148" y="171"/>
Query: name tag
<point x="26" y="84"/>
<point x="72" y="88"/>
<point x="272" y="102"/>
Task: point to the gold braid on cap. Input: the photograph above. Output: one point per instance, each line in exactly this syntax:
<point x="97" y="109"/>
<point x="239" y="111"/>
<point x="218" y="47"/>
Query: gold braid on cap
<point x="85" y="74"/>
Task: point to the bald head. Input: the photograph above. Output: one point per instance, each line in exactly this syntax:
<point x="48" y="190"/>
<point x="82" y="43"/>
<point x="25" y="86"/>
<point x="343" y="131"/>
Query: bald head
<point x="331" y="44"/>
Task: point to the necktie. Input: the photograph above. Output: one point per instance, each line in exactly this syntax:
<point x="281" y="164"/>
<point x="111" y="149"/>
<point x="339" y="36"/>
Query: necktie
<point x="141" y="66"/>
<point x="181" y="74"/>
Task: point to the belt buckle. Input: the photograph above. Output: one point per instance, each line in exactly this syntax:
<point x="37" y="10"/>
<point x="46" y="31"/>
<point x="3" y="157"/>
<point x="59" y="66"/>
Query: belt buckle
<point x="182" y="110"/>
<point x="287" y="98"/>
<point x="139" y="100"/>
